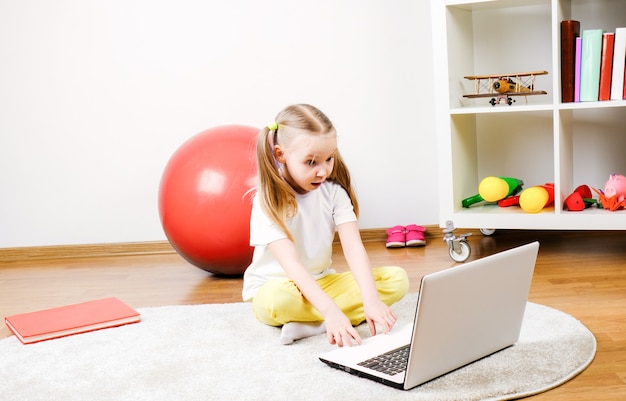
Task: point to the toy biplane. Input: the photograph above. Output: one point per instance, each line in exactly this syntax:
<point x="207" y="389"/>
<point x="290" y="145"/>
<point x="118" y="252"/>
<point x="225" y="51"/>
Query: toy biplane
<point x="503" y="87"/>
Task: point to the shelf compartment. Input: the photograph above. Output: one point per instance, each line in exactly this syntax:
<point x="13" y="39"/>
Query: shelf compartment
<point x="496" y="38"/>
<point x="495" y="145"/>
<point x="598" y="146"/>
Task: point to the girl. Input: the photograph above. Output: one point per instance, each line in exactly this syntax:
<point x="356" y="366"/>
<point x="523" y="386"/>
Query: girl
<point x="304" y="196"/>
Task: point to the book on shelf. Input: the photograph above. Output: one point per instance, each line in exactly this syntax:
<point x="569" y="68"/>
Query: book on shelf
<point x="570" y="30"/>
<point x="578" y="55"/>
<point x="590" y="64"/>
<point x="619" y="56"/>
<point x="70" y="319"/>
<point x="606" y="66"/>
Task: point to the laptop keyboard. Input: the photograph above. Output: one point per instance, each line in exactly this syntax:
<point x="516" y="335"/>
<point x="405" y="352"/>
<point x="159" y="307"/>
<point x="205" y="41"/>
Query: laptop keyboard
<point x="391" y="363"/>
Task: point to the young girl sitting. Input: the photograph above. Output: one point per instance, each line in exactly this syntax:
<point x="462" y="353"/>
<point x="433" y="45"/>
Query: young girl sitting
<point x="304" y="196"/>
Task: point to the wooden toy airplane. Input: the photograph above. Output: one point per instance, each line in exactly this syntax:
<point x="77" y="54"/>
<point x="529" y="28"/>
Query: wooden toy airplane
<point x="503" y="86"/>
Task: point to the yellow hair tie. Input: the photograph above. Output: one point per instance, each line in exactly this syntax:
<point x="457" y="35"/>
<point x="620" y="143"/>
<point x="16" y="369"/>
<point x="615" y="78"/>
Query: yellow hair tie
<point x="273" y="126"/>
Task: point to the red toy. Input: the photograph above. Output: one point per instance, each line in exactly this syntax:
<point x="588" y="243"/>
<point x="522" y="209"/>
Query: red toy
<point x="579" y="200"/>
<point x="204" y="199"/>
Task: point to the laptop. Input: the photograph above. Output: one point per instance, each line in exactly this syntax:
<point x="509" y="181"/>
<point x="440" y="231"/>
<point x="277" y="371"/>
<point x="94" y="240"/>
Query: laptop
<point x="463" y="314"/>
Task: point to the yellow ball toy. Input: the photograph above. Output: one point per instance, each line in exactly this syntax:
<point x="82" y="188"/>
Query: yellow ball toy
<point x="492" y="189"/>
<point x="534" y="199"/>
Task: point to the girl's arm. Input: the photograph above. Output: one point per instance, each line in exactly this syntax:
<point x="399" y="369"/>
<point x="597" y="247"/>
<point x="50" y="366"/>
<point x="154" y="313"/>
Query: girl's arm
<point x="376" y="311"/>
<point x="339" y="330"/>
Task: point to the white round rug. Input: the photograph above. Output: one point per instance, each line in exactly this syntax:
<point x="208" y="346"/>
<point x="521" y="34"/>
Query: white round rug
<point x="219" y="351"/>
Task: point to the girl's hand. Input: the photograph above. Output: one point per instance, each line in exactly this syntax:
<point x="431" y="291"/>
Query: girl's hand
<point x="339" y="330"/>
<point x="377" y="311"/>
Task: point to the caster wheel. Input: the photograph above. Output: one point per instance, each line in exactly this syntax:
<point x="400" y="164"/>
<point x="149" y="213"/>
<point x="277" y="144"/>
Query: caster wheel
<point x="462" y="254"/>
<point x="487" y="231"/>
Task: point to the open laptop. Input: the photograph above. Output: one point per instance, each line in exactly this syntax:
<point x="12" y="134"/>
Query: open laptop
<point x="463" y="313"/>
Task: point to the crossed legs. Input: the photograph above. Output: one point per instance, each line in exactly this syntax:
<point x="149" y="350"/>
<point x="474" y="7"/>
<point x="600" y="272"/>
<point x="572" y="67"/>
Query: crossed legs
<point x="279" y="302"/>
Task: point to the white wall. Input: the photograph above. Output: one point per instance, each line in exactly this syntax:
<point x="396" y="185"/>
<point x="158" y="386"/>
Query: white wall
<point x="95" y="96"/>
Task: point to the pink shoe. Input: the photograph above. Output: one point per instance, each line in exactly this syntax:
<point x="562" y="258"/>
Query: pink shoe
<point x="415" y="235"/>
<point x="396" y="237"/>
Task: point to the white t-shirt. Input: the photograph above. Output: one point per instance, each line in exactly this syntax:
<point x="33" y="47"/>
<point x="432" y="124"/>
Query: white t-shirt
<point x="313" y="230"/>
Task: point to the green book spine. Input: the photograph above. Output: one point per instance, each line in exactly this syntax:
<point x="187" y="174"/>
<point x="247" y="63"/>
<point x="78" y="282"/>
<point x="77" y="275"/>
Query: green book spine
<point x="590" y="65"/>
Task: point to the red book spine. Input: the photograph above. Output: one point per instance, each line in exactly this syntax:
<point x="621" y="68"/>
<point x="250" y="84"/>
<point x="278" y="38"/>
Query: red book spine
<point x="606" y="66"/>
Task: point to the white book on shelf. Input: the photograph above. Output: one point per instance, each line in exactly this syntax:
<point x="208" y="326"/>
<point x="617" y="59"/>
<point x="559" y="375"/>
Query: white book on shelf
<point x="619" y="59"/>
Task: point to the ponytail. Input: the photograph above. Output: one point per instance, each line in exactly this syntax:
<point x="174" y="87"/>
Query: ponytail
<point x="277" y="198"/>
<point x="341" y="176"/>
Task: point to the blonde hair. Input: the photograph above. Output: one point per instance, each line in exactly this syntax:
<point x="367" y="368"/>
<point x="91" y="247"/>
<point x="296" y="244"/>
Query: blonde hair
<point x="277" y="197"/>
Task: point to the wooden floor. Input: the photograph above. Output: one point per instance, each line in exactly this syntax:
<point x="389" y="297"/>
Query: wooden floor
<point x="581" y="273"/>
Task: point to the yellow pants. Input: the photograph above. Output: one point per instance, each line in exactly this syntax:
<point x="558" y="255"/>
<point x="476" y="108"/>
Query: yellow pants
<point x="279" y="301"/>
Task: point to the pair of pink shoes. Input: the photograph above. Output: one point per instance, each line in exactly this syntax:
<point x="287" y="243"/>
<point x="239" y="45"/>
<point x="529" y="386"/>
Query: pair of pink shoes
<point x="411" y="235"/>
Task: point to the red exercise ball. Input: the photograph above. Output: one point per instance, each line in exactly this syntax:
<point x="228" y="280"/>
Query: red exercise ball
<point x="205" y="199"/>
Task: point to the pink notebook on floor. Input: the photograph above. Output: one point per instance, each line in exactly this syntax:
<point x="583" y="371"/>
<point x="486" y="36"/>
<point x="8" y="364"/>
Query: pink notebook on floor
<point x="70" y="319"/>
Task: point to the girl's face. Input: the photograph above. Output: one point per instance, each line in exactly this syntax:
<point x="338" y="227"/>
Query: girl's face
<point x="307" y="161"/>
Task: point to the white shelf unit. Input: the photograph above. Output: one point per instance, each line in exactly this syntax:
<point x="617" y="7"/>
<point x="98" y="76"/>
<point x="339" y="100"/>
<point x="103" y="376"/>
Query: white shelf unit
<point x="538" y="139"/>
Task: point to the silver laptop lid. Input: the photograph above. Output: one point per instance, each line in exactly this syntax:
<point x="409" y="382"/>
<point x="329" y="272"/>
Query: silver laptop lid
<point x="469" y="311"/>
